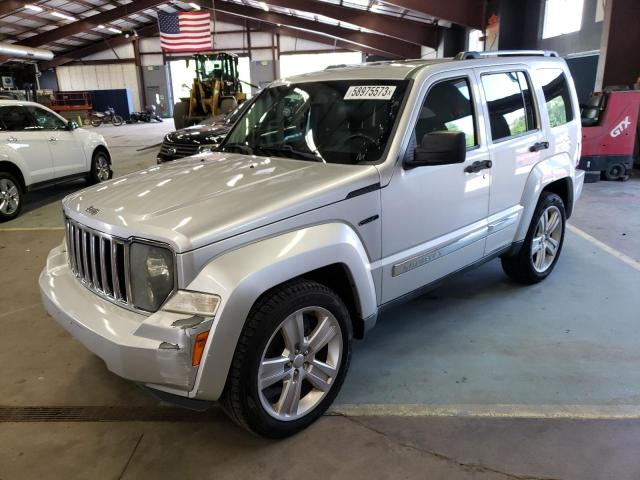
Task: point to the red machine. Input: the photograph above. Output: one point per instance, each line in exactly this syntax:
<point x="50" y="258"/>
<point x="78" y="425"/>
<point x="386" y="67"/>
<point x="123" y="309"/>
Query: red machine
<point x="609" y="132"/>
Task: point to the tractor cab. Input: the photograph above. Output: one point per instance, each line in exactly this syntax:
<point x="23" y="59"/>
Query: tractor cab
<point x="216" y="90"/>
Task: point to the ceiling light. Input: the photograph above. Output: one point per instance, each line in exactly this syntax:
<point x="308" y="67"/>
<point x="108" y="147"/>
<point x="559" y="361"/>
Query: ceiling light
<point x="62" y="15"/>
<point x="195" y="6"/>
<point x="35" y="8"/>
<point x="114" y="30"/>
<point x="264" y="6"/>
<point x="100" y="27"/>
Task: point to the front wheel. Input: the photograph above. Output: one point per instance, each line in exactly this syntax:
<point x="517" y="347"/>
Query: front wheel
<point x="10" y="197"/>
<point x="543" y="243"/>
<point x="117" y="120"/>
<point x="290" y="361"/>
<point x="100" y="168"/>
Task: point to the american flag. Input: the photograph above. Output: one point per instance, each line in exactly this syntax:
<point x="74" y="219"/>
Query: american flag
<point x="185" y="31"/>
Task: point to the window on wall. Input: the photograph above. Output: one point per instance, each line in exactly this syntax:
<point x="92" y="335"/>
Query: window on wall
<point x="510" y="102"/>
<point x="562" y="16"/>
<point x="556" y="95"/>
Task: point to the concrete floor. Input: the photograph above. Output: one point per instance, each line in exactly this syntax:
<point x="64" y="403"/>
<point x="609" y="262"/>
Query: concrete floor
<point x="480" y="379"/>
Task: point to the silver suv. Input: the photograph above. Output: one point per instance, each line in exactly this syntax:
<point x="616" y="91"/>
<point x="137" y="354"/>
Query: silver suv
<point x="243" y="275"/>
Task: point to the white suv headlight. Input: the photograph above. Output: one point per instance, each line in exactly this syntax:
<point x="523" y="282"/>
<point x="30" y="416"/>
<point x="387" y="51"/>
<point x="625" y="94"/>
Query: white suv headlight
<point x="152" y="275"/>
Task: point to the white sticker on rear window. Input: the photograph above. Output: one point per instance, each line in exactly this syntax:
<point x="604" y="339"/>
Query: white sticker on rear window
<point x="370" y="92"/>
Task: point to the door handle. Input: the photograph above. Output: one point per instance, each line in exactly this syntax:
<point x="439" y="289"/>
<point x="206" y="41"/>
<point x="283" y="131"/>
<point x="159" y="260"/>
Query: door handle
<point x="536" y="147"/>
<point x="477" y="166"/>
<point x="53" y="139"/>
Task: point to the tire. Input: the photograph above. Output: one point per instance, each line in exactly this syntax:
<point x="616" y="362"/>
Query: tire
<point x="180" y="112"/>
<point x="11" y="197"/>
<point x="266" y="411"/>
<point x="615" y="171"/>
<point x="99" y="173"/>
<point x="96" y="121"/>
<point x="528" y="267"/>
<point x="117" y="120"/>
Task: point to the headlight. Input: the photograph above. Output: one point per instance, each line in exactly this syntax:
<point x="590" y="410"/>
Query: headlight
<point x="207" y="148"/>
<point x="152" y="275"/>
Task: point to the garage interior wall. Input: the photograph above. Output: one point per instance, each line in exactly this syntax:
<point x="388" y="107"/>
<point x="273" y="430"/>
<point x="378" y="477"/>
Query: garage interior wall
<point x="101" y="77"/>
<point x="123" y="73"/>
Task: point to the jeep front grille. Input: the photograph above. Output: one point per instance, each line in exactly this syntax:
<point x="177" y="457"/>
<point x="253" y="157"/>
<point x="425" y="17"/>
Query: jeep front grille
<point x="100" y="261"/>
<point x="173" y="151"/>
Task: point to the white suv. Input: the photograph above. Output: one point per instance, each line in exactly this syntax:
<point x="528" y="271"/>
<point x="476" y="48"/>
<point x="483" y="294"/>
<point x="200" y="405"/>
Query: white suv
<point x="39" y="148"/>
<point x="244" y="274"/>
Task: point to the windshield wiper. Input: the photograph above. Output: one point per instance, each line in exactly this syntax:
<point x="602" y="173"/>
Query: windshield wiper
<point x="245" y="149"/>
<point x="290" y="152"/>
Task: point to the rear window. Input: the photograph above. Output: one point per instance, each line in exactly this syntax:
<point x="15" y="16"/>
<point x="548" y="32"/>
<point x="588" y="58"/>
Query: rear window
<point x="557" y="95"/>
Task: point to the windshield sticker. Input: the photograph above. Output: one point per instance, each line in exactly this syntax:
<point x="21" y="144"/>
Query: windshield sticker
<point x="370" y="92"/>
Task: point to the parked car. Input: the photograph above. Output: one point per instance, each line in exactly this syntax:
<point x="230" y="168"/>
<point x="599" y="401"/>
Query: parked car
<point x="243" y="276"/>
<point x="39" y="148"/>
<point x="204" y="137"/>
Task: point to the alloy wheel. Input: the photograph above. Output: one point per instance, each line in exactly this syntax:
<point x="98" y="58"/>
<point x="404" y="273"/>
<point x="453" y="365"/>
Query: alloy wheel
<point x="9" y="196"/>
<point x="300" y="363"/>
<point x="102" y="168"/>
<point x="547" y="238"/>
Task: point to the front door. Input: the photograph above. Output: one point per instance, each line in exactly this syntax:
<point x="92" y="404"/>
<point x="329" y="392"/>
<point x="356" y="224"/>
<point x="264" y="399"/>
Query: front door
<point x="434" y="217"/>
<point x="67" y="152"/>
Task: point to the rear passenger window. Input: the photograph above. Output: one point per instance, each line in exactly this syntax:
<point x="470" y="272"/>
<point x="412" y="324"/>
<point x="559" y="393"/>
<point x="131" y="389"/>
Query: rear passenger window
<point x="510" y="102"/>
<point x="557" y="95"/>
<point x="448" y="107"/>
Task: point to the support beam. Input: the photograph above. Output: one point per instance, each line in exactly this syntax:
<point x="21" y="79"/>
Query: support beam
<point x="88" y="23"/>
<point x="469" y="13"/>
<point x="9" y="6"/>
<point x="619" y="44"/>
<point x="403" y="29"/>
<point x="100" y="46"/>
<point x="391" y="46"/>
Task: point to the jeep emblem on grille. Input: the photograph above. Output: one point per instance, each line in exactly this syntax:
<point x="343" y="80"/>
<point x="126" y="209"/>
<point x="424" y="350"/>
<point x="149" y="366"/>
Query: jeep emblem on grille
<point x="91" y="210"/>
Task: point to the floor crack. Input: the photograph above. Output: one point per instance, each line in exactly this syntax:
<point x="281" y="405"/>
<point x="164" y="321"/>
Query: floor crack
<point x="131" y="456"/>
<point x="471" y="467"/>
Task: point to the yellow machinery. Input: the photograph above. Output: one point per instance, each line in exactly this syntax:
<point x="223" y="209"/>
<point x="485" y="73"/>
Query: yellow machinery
<point x="216" y="89"/>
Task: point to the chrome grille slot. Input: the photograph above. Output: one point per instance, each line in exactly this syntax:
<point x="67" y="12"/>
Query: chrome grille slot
<point x="99" y="261"/>
<point x="177" y="150"/>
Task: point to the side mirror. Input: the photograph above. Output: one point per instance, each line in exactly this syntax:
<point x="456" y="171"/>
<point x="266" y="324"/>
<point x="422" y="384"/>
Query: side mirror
<point x="71" y="125"/>
<point x="439" y="148"/>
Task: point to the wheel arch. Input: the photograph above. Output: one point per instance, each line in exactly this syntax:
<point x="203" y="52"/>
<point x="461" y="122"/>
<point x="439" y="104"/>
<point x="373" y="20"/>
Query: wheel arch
<point x="13" y="169"/>
<point x="555" y="175"/>
<point x="101" y="148"/>
<point x="331" y="254"/>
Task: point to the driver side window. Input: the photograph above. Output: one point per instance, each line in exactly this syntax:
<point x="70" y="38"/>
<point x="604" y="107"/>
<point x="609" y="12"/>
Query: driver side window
<point x="46" y="120"/>
<point x="448" y="107"/>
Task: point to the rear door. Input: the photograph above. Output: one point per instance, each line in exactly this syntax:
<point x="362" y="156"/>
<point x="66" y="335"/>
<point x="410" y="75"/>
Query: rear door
<point x="66" y="150"/>
<point x="30" y="147"/>
<point x="516" y="144"/>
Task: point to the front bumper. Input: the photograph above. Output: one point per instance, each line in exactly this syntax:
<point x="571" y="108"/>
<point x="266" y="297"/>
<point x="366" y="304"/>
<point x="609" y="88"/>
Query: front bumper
<point x="152" y="350"/>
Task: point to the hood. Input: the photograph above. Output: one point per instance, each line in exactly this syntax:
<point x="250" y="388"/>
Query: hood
<point x="199" y="134"/>
<point x="200" y="200"/>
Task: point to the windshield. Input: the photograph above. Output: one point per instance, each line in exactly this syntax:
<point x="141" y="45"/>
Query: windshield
<point x="347" y="122"/>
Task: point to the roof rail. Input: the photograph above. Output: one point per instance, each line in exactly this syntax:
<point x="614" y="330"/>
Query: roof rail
<point x="506" y="53"/>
